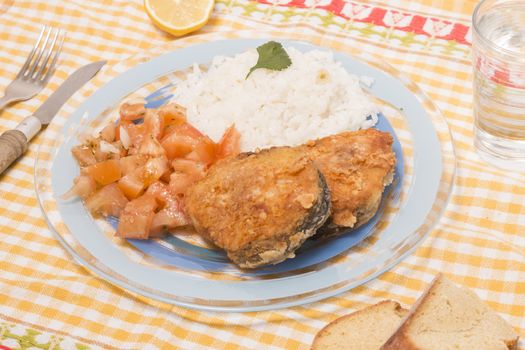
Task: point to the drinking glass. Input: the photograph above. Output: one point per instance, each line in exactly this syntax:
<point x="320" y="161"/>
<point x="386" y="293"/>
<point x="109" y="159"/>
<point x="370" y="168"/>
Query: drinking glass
<point x="498" y="47"/>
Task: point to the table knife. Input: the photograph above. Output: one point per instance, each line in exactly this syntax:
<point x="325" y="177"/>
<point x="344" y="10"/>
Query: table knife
<point x="13" y="143"/>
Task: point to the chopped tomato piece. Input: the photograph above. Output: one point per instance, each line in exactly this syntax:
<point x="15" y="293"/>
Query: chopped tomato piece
<point x="151" y="147"/>
<point x="154" y="124"/>
<point x="136" y="132"/>
<point x="84" y="155"/>
<point x="133" y="111"/>
<point x="173" y="114"/>
<point x="154" y="169"/>
<point x="83" y="187"/>
<point x="190" y="167"/>
<point x="204" y="152"/>
<point x="230" y="143"/>
<point x="105" y="172"/>
<point x="108" y="133"/>
<point x="135" y="182"/>
<point x="188" y="130"/>
<point x="180" y="140"/>
<point x="132" y="184"/>
<point x="178" y="145"/>
<point x="170" y="217"/>
<point x="184" y="129"/>
<point x="160" y="191"/>
<point x="130" y="163"/>
<point x="166" y="176"/>
<point x="135" y="220"/>
<point x="100" y="155"/>
<point x="108" y="201"/>
<point x="171" y="214"/>
<point x="180" y="182"/>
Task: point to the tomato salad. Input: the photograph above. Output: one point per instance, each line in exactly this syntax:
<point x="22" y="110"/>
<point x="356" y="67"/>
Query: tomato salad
<point x="139" y="168"/>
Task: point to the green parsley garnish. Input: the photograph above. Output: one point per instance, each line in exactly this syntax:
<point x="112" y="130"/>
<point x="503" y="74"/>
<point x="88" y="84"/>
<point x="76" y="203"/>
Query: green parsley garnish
<point x="271" y="56"/>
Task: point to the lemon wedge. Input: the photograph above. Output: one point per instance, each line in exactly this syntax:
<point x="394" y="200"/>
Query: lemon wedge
<point x="179" y="17"/>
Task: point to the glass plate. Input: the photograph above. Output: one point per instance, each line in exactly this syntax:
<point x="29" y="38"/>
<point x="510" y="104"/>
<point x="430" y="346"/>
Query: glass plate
<point x="181" y="268"/>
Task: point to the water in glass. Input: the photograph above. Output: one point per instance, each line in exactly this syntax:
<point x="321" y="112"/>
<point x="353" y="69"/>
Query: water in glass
<point x="499" y="82"/>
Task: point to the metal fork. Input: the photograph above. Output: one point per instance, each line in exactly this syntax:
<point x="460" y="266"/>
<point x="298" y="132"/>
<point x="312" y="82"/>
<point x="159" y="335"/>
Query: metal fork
<point x="37" y="69"/>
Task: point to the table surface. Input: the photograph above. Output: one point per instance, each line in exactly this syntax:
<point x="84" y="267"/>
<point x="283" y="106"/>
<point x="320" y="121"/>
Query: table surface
<point x="49" y="302"/>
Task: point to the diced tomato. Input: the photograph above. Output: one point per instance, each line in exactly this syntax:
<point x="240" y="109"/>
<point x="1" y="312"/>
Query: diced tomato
<point x="154" y="169"/>
<point x="166" y="176"/>
<point x="151" y="147"/>
<point x="136" y="218"/>
<point x="180" y="140"/>
<point x="190" y="167"/>
<point x="154" y="124"/>
<point x="136" y="132"/>
<point x="100" y="155"/>
<point x="132" y="184"/>
<point x="105" y="172"/>
<point x="160" y="191"/>
<point x="171" y="214"/>
<point x="180" y="182"/>
<point x="230" y="143"/>
<point x="204" y="152"/>
<point x="108" y="133"/>
<point x="132" y="151"/>
<point x="133" y="111"/>
<point x="178" y="145"/>
<point x="83" y="155"/>
<point x="83" y="187"/>
<point x="188" y="130"/>
<point x="108" y="201"/>
<point x="130" y="163"/>
<point x="146" y="168"/>
<point x="136" y="181"/>
<point x="173" y="114"/>
<point x="170" y="217"/>
<point x="185" y="129"/>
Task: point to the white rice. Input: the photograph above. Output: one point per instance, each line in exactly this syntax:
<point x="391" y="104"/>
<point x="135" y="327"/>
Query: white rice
<point x="313" y="98"/>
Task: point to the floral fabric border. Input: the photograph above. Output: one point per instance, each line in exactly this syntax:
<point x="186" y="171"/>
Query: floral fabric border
<point x="410" y="30"/>
<point x="17" y="336"/>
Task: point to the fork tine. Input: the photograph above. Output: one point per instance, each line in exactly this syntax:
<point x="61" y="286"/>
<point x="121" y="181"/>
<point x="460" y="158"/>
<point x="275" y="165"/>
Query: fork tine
<point x="51" y="68"/>
<point x="31" y="54"/>
<point x="40" y="72"/>
<point x="36" y="62"/>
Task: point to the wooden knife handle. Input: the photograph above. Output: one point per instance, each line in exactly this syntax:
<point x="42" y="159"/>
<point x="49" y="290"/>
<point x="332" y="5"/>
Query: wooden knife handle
<point x="13" y="143"/>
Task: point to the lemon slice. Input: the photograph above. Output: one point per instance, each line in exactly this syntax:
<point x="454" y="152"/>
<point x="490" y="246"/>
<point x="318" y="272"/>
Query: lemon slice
<point x="179" y="17"/>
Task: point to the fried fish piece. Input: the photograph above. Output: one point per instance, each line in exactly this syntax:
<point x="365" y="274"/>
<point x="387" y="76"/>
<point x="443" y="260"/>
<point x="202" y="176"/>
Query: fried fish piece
<point x="357" y="167"/>
<point x="260" y="207"/>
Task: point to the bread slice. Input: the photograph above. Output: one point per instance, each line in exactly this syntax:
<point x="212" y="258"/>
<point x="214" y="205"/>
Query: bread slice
<point x="449" y="317"/>
<point x="365" y="329"/>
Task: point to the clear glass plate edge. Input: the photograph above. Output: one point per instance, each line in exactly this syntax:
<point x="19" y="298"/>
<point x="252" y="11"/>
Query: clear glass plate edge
<point x="445" y="187"/>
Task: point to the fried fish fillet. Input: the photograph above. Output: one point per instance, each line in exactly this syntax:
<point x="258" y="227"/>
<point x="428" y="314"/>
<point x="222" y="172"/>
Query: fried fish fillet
<point x="357" y="166"/>
<point x="260" y="207"/>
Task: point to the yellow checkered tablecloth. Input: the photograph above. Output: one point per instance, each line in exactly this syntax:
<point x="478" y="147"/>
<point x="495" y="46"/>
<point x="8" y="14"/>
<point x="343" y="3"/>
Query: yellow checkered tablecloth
<point x="49" y="302"/>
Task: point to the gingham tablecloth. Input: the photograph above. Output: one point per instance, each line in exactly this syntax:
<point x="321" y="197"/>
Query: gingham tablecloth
<point x="49" y="302"/>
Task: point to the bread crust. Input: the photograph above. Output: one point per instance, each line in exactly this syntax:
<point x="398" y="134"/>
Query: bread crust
<point x="397" y="307"/>
<point x="400" y="340"/>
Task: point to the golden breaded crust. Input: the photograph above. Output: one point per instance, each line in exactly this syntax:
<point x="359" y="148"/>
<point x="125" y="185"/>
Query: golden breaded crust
<point x="259" y="207"/>
<point x="357" y="166"/>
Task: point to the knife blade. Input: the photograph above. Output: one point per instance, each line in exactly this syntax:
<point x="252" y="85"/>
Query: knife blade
<point x="75" y="81"/>
<point x="13" y="143"/>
